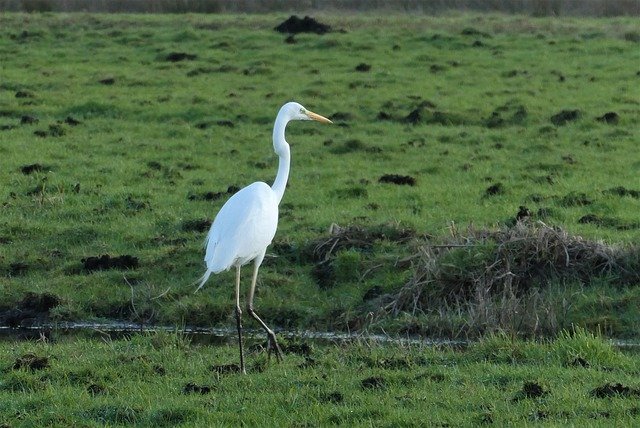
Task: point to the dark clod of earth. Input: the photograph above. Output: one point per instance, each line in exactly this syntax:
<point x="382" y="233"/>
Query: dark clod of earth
<point x="72" y="121"/>
<point x="192" y="388"/>
<point x="95" y="389"/>
<point x="414" y="117"/>
<point x="105" y="261"/>
<point x="611" y="118"/>
<point x="31" y="362"/>
<point x="373" y="382"/>
<point x="332" y="397"/>
<point x="31" y="168"/>
<point x="565" y="116"/>
<point x="212" y="196"/>
<point x="623" y="191"/>
<point x="32" y="309"/>
<point x="398" y="179"/>
<point x="26" y="119"/>
<point x="530" y="390"/>
<point x="363" y="67"/>
<point x="24" y="94"/>
<point x="523" y="213"/>
<point x="579" y="362"/>
<point x="614" y="389"/>
<point x="107" y="81"/>
<point x="197" y="225"/>
<point x="180" y="56"/>
<point x="494" y="189"/>
<point x="295" y="25"/>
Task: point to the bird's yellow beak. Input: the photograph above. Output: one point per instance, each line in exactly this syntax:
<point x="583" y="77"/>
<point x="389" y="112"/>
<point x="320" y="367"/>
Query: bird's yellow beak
<point x="315" y="116"/>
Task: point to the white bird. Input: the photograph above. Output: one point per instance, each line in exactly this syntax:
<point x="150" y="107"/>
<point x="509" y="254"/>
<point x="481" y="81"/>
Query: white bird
<point x="247" y="222"/>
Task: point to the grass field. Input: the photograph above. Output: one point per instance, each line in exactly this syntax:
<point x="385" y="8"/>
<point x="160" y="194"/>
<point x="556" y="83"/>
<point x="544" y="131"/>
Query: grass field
<point x="164" y="380"/>
<point x="123" y="135"/>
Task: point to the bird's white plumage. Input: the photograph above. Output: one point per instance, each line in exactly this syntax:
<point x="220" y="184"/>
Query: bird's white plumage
<point x="247" y="222"/>
<point x="243" y="228"/>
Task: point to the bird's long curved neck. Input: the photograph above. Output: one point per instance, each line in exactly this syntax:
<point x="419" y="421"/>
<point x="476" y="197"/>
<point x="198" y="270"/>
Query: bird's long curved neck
<point x="282" y="150"/>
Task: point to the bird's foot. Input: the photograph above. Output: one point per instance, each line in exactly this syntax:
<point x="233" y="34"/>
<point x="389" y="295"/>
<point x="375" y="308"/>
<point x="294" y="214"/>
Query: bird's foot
<point x="273" y="346"/>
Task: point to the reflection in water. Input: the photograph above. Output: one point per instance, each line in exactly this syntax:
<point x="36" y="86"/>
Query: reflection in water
<point x="219" y="336"/>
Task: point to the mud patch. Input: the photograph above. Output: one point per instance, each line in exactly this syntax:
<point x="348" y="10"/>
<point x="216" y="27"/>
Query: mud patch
<point x="34" y="308"/>
<point x="24" y="94"/>
<point x="613" y="390"/>
<point x="611" y="118"/>
<point x="295" y="25"/>
<point x="331" y="397"/>
<point x="28" y="120"/>
<point x="71" y="121"/>
<point x="398" y="179"/>
<point x="523" y="213"/>
<point x="55" y="130"/>
<point x="565" y="116"/>
<point x="530" y="390"/>
<point x="180" y="56"/>
<point x="506" y="115"/>
<point x="192" y="388"/>
<point x="31" y="168"/>
<point x="105" y="262"/>
<point x="494" y="189"/>
<point x="31" y="362"/>
<point x="96" y="389"/>
<point x="297" y="347"/>
<point x="622" y="192"/>
<point x="373" y="382"/>
<point x="196" y="225"/>
<point x="575" y="199"/>
<point x="610" y="222"/>
<point x="363" y="67"/>
<point x="212" y="196"/>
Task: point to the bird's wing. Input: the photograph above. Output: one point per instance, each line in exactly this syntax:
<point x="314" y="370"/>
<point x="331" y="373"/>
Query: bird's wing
<point x="243" y="228"/>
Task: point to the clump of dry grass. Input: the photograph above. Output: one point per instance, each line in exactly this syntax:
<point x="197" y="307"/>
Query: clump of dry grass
<point x="499" y="279"/>
<point x="355" y="237"/>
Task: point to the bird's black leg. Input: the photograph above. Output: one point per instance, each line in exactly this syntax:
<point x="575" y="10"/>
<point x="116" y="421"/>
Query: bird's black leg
<point x="271" y="336"/>
<point x="239" y="320"/>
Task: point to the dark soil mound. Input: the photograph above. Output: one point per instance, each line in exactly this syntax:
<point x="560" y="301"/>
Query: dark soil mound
<point x="32" y="309"/>
<point x="31" y="168"/>
<point x="611" y="118"/>
<point x="197" y="225"/>
<point x="363" y="67"/>
<point x="27" y="119"/>
<point x="397" y="179"/>
<point x="31" y="362"/>
<point x="294" y="25"/>
<point x="192" y="388"/>
<point x="614" y="389"/>
<point x="565" y="116"/>
<point x="494" y="189"/>
<point x="180" y="56"/>
<point x="105" y="261"/>
<point x="530" y="390"/>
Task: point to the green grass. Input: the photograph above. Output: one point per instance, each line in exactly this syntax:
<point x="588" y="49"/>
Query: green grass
<point x="130" y="178"/>
<point x="165" y="380"/>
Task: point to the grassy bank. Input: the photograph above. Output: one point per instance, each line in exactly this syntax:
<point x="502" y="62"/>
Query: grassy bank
<point x="123" y="136"/>
<point x="163" y="380"/>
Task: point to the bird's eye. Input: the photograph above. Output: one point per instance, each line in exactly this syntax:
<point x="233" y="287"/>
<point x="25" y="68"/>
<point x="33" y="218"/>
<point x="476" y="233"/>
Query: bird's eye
<point x="302" y="111"/>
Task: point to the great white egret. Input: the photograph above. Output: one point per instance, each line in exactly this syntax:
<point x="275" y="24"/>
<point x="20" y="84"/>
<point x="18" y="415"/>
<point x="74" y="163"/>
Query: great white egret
<point x="247" y="222"/>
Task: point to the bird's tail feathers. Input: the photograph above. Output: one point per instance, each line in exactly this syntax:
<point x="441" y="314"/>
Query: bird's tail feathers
<point x="202" y="280"/>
